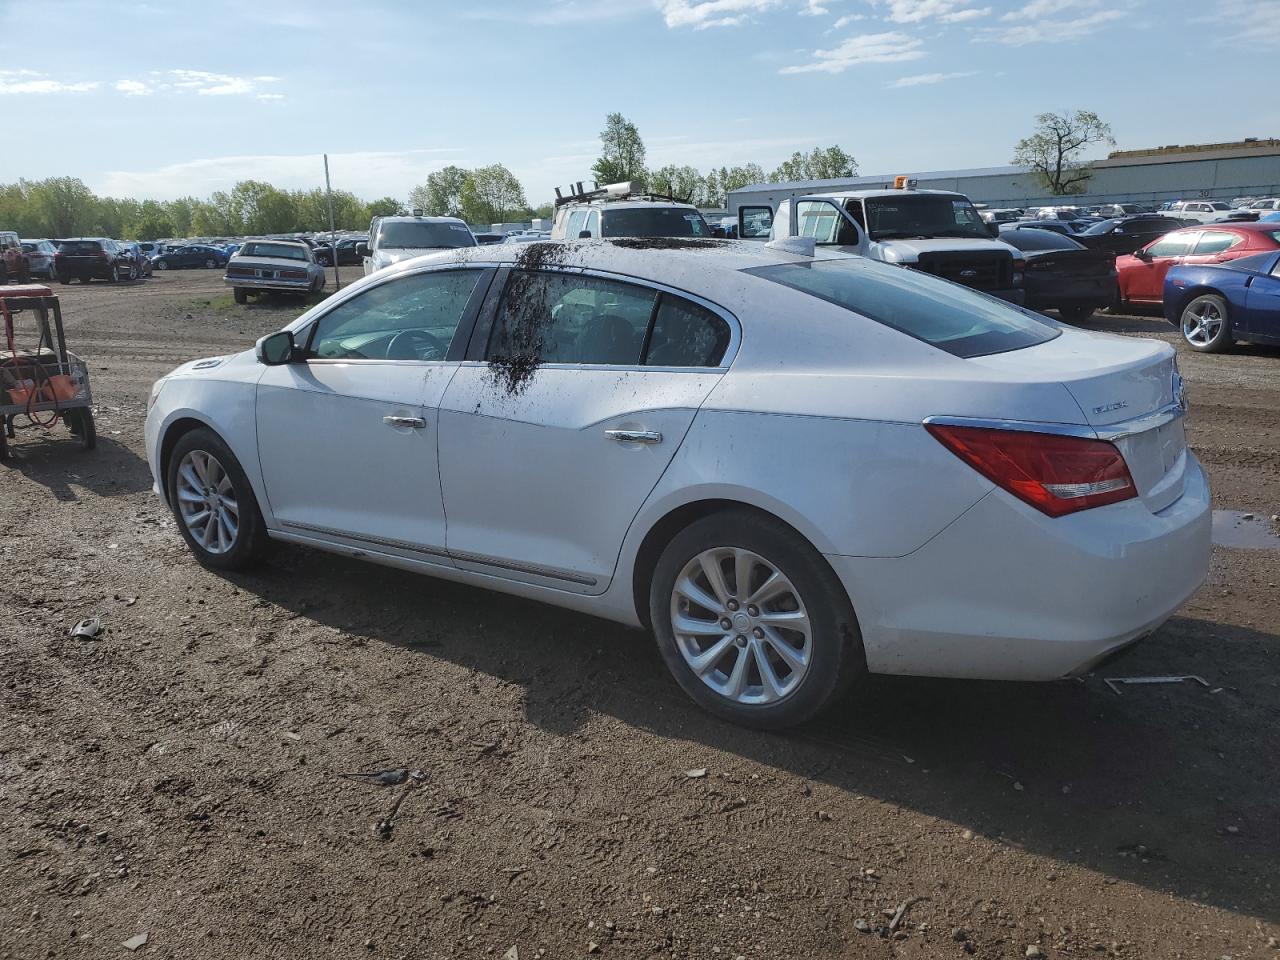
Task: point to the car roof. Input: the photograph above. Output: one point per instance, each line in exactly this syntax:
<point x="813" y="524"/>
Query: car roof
<point x="296" y="243"/>
<point x="606" y="203"/>
<point x="410" y="219"/>
<point x="876" y="194"/>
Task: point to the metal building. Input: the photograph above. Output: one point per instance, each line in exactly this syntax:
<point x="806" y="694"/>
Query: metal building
<point x="1250" y="168"/>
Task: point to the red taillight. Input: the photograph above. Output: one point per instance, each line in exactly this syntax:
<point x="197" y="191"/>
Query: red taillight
<point x="239" y="272"/>
<point x="1055" y="474"/>
<point x="293" y="274"/>
<point x="102" y="254"/>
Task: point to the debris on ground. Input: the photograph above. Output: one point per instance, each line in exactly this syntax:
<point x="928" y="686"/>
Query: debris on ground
<point x="88" y="628"/>
<point x="696" y="774"/>
<point x="385" y="778"/>
<point x="901" y="912"/>
<point x="1114" y="682"/>
<point x="136" y="942"/>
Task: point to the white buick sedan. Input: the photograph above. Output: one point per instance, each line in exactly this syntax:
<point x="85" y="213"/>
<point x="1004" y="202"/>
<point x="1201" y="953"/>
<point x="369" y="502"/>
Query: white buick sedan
<point x="792" y="469"/>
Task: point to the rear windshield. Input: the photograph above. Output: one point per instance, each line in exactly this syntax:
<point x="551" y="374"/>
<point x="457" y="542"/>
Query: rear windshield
<point x="960" y="321"/>
<point x="1033" y="239"/>
<point x="81" y="248"/>
<point x="285" y="251"/>
<point x="654" y="222"/>
<point x="416" y="235"/>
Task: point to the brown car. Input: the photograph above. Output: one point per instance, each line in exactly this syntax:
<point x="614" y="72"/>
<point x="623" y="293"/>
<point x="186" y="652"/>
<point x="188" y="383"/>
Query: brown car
<point x="14" y="264"/>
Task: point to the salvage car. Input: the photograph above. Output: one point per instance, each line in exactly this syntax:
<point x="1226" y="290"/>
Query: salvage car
<point x="14" y="263"/>
<point x="1217" y="305"/>
<point x="794" y="469"/>
<point x="273" y="266"/>
<point x="1126" y="234"/>
<point x="1141" y="276"/>
<point x="624" y="210"/>
<point x="348" y="251"/>
<point x="190" y="255"/>
<point x="40" y="257"/>
<point x="93" y="258"/>
<point x="1061" y="274"/>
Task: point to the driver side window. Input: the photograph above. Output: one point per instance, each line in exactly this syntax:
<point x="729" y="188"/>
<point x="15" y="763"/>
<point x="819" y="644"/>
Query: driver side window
<point x="410" y="318"/>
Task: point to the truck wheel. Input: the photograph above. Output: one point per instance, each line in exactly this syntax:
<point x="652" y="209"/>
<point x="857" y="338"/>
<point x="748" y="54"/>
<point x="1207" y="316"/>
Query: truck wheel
<point x="241" y="294"/>
<point x="1076" y="312"/>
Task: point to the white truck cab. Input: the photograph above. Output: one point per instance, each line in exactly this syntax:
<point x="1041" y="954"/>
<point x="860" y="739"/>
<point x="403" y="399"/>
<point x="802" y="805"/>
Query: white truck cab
<point x="624" y="210"/>
<point x="392" y="239"/>
<point x="936" y="231"/>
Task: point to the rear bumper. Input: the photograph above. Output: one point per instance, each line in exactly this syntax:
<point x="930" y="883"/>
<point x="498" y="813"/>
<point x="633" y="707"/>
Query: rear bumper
<point x="1097" y="291"/>
<point x="1006" y="593"/>
<point x="254" y="283"/>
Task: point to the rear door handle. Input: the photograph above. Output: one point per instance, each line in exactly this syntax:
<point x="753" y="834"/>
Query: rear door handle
<point x="417" y="423"/>
<point x="634" y="436"/>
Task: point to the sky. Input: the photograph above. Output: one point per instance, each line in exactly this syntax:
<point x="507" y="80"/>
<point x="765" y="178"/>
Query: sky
<point x="165" y="100"/>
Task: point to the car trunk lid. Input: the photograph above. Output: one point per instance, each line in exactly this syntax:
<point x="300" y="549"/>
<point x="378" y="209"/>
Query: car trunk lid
<point x="1128" y="391"/>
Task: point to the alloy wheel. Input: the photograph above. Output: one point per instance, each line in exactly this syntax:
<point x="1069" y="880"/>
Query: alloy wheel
<point x="207" y="502"/>
<point x="1201" y="322"/>
<point x="741" y="625"/>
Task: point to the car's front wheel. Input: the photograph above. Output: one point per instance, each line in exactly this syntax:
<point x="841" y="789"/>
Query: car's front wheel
<point x="752" y="622"/>
<point x="211" y="264"/>
<point x="1206" y="325"/>
<point x="214" y="503"/>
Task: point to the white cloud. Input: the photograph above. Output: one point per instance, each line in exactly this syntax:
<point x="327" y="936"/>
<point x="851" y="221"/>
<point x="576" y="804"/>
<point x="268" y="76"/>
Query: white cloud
<point x="1045" y="30"/>
<point x="918" y="11"/>
<point x="367" y="174"/>
<point x="132" y="88"/>
<point x="216" y="84"/>
<point x="814" y="8"/>
<point x="921" y="79"/>
<point x="847" y="19"/>
<point x="270" y="96"/>
<point x="892" y="47"/>
<point x="701" y="14"/>
<point x="29" y="82"/>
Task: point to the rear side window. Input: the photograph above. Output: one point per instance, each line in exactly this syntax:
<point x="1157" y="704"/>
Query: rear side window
<point x="950" y="317"/>
<point x="686" y="335"/>
<point x="1216" y="241"/>
<point x="653" y="222"/>
<point x="570" y="318"/>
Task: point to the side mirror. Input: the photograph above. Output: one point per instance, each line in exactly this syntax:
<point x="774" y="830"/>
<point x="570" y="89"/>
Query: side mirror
<point x="275" y="349"/>
<point x="993" y="228"/>
<point x="584" y="234"/>
<point x="362" y="249"/>
<point x="1143" y="254"/>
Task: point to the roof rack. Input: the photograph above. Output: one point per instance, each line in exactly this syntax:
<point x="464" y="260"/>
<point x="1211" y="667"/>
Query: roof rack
<point x="627" y="190"/>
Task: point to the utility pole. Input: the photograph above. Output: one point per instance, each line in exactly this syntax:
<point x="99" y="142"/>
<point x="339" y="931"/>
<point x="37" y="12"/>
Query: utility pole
<point x="333" y="237"/>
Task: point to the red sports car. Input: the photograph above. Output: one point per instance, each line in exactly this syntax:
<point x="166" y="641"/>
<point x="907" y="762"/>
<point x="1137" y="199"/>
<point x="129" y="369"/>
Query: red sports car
<point x="1141" y="274"/>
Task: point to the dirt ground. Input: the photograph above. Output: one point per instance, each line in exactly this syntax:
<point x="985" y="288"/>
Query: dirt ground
<point x="179" y="776"/>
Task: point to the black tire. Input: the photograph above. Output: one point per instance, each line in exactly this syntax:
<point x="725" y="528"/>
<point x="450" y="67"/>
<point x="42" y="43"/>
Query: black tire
<point x="836" y="656"/>
<point x="211" y="264"/>
<point x="240" y="294"/>
<point x="1076" y="312"/>
<point x="114" y="275"/>
<point x="65" y="281"/>
<point x="251" y="538"/>
<point x="162" y="265"/>
<point x="1196" y="314"/>
<point x="81" y="424"/>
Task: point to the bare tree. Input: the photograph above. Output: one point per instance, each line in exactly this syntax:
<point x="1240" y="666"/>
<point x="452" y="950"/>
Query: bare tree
<point x="1054" y="151"/>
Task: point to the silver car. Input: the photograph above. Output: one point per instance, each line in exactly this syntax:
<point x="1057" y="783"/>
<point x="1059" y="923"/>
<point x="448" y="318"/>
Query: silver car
<point x="282" y="266"/>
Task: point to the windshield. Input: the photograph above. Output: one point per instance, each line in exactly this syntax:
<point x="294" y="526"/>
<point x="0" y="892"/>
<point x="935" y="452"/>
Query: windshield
<point x="422" y="235"/>
<point x="962" y="322"/>
<point x="654" y="222"/>
<point x="285" y="251"/>
<point x="920" y="216"/>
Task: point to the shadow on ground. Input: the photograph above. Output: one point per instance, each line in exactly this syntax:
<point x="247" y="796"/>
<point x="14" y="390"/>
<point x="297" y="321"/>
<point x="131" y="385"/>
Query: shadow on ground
<point x="1169" y="787"/>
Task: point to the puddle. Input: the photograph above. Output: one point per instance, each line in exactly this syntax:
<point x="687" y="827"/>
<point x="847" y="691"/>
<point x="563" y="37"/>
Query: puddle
<point x="1250" y="531"/>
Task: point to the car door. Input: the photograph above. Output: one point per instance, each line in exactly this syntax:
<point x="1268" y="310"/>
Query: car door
<point x="578" y="391"/>
<point x="1262" y="301"/>
<point x="1145" y="279"/>
<point x="347" y="435"/>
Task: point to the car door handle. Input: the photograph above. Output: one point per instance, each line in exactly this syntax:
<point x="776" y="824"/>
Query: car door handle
<point x="417" y="423"/>
<point x="634" y="436"/>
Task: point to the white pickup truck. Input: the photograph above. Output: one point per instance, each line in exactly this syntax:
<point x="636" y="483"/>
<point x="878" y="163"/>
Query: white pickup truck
<point x="1205" y="211"/>
<point x="936" y="231"/>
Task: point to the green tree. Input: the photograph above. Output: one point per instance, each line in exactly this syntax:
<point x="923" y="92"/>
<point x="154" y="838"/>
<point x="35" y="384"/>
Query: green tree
<point x="823" y="163"/>
<point x="621" y="152"/>
<point x="682" y="182"/>
<point x="712" y="192"/>
<point x="151" y="223"/>
<point x="386" y="207"/>
<point x="492" y="195"/>
<point x="734" y="178"/>
<point x="441" y="195"/>
<point x="1054" y="152"/>
<point x="65" y="206"/>
<point x="179" y="213"/>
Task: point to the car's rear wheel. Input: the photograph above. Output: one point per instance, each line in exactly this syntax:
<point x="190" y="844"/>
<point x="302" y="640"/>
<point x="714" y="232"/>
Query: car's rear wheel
<point x="1206" y="324"/>
<point x="213" y="502"/>
<point x="210" y="264"/>
<point x="162" y="265"/>
<point x="1076" y="312"/>
<point x="752" y="622"/>
<point x="114" y="275"/>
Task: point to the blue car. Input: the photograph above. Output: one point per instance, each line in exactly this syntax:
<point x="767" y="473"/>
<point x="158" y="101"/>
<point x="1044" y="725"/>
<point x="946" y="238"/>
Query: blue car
<point x="1214" y="305"/>
<point x="191" y="255"/>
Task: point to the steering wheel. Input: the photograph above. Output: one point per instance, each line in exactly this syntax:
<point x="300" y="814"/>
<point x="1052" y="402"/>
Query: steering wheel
<point x="415" y="345"/>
